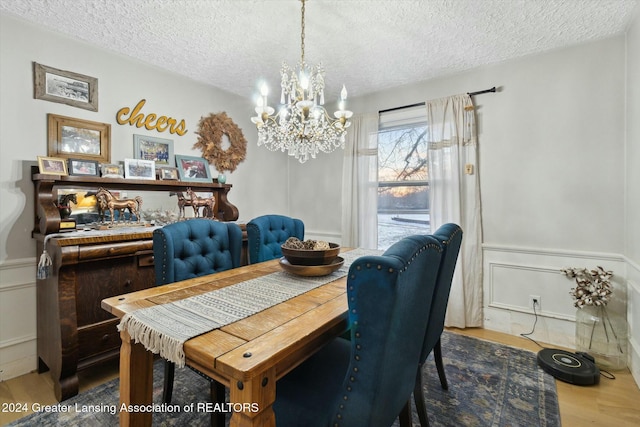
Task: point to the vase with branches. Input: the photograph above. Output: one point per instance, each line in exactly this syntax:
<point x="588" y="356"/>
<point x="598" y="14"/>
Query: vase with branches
<point x="597" y="332"/>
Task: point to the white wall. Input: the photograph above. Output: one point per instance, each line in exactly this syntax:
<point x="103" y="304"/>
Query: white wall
<point x="552" y="174"/>
<point x="632" y="190"/>
<point x="259" y="183"/>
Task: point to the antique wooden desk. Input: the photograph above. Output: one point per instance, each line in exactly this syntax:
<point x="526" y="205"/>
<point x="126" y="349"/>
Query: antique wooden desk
<point x="74" y="333"/>
<point x="247" y="356"/>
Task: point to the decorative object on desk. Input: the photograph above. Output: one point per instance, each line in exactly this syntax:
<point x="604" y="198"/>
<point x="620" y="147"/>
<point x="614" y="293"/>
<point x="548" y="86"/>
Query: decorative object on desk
<point x="111" y="170"/>
<point x="160" y="216"/>
<point x="193" y="169"/>
<point x="167" y="173"/>
<point x="66" y="222"/>
<point x="312" y="270"/>
<point x="75" y="138"/>
<point x="182" y="202"/>
<point x="107" y="201"/>
<point x="63" y="204"/>
<point x="302" y="126"/>
<point x="222" y="178"/>
<point x="502" y="368"/>
<point x="159" y="150"/>
<point x="83" y="167"/>
<point x="599" y="332"/>
<point x="211" y="129"/>
<point x="139" y="169"/>
<point x="65" y="87"/>
<point x="309" y="252"/>
<point x="52" y="166"/>
<point x="197" y="202"/>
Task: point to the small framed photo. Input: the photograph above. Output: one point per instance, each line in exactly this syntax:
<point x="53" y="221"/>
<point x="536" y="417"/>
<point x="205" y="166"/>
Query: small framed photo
<point x="79" y="139"/>
<point x="139" y="169"/>
<point x="52" y="165"/>
<point x="83" y="167"/>
<point x="193" y="169"/>
<point x="111" y="170"/>
<point x="65" y="87"/>
<point x="151" y="148"/>
<point x="167" y="173"/>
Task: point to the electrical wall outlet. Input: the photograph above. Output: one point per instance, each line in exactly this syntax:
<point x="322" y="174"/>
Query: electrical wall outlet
<point x="468" y="168"/>
<point x="535" y="300"/>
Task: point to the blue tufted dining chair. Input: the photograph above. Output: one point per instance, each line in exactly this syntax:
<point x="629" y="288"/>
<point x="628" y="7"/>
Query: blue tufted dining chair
<point x="265" y="235"/>
<point x="189" y="249"/>
<point x="450" y="237"/>
<point x="367" y="380"/>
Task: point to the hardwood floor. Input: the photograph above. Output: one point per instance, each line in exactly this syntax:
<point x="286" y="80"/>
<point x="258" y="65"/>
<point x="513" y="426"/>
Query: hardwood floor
<point x="612" y="402"/>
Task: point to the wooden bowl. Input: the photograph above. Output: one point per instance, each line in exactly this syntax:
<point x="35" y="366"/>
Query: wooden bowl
<point x="312" y="270"/>
<point x="311" y="256"/>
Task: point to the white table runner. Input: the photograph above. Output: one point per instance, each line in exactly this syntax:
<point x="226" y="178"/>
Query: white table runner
<point x="164" y="328"/>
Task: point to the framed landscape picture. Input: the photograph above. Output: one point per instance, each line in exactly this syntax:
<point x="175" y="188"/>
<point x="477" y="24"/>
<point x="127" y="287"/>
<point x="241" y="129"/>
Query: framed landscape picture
<point x="151" y="148"/>
<point x="65" y="87"/>
<point x="79" y="139"/>
<point x="52" y="165"/>
<point x="194" y="169"/>
<point x="139" y="169"/>
<point x="83" y="167"/>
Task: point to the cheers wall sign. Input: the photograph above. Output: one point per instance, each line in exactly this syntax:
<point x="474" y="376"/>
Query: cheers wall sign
<point x="149" y="121"/>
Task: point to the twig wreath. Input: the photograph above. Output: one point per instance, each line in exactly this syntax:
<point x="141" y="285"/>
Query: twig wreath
<point x="210" y="131"/>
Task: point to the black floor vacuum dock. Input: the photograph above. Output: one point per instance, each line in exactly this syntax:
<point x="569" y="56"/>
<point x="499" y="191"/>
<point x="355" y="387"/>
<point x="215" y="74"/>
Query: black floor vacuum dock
<point x="574" y="368"/>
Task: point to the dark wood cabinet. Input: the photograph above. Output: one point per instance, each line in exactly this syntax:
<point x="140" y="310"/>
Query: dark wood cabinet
<point x="74" y="332"/>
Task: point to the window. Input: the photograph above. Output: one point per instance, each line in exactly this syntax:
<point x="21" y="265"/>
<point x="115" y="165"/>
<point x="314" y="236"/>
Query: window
<point x="403" y="179"/>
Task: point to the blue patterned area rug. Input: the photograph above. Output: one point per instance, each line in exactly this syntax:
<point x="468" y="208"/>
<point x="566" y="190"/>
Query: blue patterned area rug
<point x="489" y="385"/>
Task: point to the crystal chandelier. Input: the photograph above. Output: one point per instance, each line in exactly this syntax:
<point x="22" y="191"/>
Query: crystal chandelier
<point x="302" y="126"/>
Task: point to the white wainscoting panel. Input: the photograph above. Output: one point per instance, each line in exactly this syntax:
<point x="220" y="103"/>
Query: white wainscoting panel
<point x="18" y="330"/>
<point x="513" y="274"/>
<point x="633" y="317"/>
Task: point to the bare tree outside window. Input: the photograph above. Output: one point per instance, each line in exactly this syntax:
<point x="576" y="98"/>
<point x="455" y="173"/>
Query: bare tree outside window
<point x="403" y="183"/>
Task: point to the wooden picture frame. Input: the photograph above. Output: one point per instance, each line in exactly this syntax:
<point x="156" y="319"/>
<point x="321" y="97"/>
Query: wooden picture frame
<point x="52" y="166"/>
<point x="193" y="169"/>
<point x="69" y="137"/>
<point x="139" y="169"/>
<point x="167" y="173"/>
<point x="159" y="150"/>
<point x="111" y="170"/>
<point x="65" y="87"/>
<point x="83" y="167"/>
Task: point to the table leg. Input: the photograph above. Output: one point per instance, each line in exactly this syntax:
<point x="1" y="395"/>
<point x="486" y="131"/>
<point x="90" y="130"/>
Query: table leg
<point x="256" y="397"/>
<point x="136" y="382"/>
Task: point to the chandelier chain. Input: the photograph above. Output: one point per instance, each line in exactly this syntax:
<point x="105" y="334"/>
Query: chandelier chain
<point x="302" y="34"/>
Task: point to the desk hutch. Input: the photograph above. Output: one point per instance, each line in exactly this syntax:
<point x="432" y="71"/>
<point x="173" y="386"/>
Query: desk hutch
<point x="74" y="332"/>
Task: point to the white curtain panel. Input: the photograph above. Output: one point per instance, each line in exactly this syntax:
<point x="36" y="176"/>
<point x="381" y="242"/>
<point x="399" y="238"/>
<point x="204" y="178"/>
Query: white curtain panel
<point x="454" y="196"/>
<point x="360" y="183"/>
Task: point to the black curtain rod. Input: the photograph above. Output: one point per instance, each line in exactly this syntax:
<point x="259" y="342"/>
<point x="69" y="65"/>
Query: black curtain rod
<point x="493" y="89"/>
<point x="480" y="92"/>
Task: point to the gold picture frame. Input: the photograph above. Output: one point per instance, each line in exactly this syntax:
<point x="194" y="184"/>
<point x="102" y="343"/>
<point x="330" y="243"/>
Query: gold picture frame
<point x="52" y="166"/>
<point x="65" y="87"/>
<point x="69" y="137"/>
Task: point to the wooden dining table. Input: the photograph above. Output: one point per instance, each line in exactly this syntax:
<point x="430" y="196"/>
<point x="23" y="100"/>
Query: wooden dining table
<point x="247" y="356"/>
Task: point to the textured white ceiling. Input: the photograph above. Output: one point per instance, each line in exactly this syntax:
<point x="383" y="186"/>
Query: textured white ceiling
<point x="367" y="45"/>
